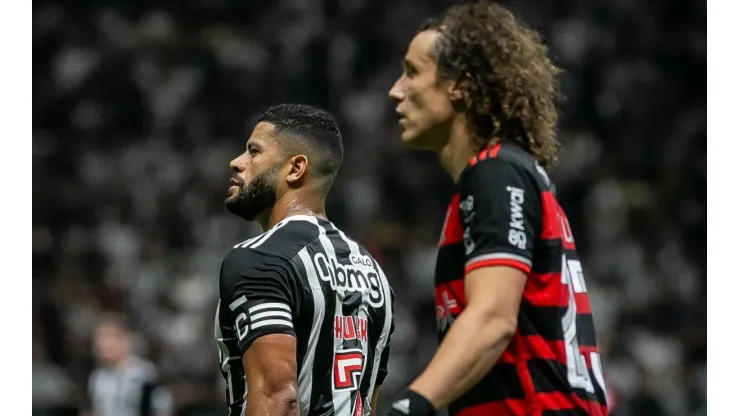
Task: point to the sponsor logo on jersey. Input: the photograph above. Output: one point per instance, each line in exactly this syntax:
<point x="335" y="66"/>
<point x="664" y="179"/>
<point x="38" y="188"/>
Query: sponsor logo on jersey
<point x="350" y="328"/>
<point x="517" y="237"/>
<point x="355" y="277"/>
<point x="361" y="260"/>
<point x="446" y="308"/>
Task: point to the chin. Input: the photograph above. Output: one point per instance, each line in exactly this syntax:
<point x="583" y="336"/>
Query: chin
<point x="231" y="199"/>
<point x="409" y="137"/>
<point x="414" y="140"/>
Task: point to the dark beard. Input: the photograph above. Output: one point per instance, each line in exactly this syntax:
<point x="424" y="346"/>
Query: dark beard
<point x="255" y="197"/>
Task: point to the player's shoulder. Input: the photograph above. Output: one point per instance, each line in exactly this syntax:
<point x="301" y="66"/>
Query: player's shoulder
<point x="507" y="161"/>
<point x="285" y="239"/>
<point x="275" y="248"/>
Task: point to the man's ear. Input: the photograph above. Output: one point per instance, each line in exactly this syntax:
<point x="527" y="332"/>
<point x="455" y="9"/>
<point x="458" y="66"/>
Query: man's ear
<point x="297" y="169"/>
<point x="457" y="91"/>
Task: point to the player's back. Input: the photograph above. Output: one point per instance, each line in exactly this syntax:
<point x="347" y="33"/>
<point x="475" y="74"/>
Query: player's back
<point x="306" y="278"/>
<point x="506" y="214"/>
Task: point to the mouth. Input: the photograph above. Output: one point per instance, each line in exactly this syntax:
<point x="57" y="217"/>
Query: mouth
<point x="233" y="182"/>
<point x="401" y="117"/>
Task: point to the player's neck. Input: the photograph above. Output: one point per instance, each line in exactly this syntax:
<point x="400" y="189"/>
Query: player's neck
<point x="456" y="153"/>
<point x="293" y="203"/>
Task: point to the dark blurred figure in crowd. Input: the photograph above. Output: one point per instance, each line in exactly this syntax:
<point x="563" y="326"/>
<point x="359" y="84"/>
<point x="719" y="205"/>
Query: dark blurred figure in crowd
<point x="123" y="384"/>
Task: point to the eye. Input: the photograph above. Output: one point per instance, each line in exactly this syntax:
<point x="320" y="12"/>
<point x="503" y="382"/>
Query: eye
<point x="408" y="69"/>
<point x="252" y="149"/>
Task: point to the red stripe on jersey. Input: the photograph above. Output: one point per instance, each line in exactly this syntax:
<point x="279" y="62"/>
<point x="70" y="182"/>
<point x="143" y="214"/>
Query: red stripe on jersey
<point x="483" y="154"/>
<point x="583" y="306"/>
<point x="488" y="152"/>
<point x="458" y="289"/>
<point x="524" y="377"/>
<point x="563" y="401"/>
<point x="494" y="151"/>
<point x="509" y="407"/>
<point x="508" y="356"/>
<point x="545" y="289"/>
<point x="554" y="222"/>
<point x="452" y="231"/>
<point x="498" y="262"/>
<point x="536" y="347"/>
<point x="520" y="407"/>
<point x="454" y="299"/>
<point x="586" y="350"/>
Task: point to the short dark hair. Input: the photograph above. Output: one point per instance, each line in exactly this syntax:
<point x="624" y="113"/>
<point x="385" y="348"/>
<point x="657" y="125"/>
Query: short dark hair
<point x="510" y="83"/>
<point x="315" y="131"/>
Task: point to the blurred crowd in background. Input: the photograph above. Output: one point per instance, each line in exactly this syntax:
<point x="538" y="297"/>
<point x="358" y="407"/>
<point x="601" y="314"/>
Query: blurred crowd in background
<point x="138" y="107"/>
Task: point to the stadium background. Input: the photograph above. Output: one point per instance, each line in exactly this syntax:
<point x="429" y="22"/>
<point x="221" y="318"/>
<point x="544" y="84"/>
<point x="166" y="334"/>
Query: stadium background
<point x="139" y="106"/>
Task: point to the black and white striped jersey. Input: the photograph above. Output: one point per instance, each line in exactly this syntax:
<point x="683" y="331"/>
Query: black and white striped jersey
<point x="306" y="278"/>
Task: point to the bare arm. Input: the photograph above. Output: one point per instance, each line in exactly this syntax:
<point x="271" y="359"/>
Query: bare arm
<point x="478" y="337"/>
<point x="270" y="366"/>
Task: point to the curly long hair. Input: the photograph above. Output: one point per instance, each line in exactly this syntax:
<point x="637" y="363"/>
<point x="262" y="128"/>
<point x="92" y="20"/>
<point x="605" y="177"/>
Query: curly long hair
<point x="508" y="81"/>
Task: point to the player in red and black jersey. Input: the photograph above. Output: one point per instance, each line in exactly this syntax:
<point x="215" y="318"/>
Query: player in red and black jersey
<point x="514" y="319"/>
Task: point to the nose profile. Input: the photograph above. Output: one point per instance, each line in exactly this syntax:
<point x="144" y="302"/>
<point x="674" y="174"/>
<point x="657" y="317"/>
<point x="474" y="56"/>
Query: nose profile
<point x="237" y="165"/>
<point x="396" y="92"/>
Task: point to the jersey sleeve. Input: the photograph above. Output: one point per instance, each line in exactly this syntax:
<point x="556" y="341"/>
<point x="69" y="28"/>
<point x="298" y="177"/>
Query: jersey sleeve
<point x="500" y="211"/>
<point x="259" y="290"/>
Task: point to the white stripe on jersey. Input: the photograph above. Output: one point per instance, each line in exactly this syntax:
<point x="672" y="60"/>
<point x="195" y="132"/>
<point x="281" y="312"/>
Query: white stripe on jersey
<point x="342" y="399"/>
<point x="271" y="322"/>
<point x="264" y="236"/>
<point x="499" y="256"/>
<point x="384" y="336"/>
<point x="275" y="305"/>
<point x="268" y="234"/>
<point x="235" y="304"/>
<point x="305" y="378"/>
<point x="362" y="313"/>
<point x="271" y="314"/>
<point x="243" y="244"/>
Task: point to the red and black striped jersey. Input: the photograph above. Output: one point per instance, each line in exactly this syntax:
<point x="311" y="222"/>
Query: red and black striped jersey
<point x="505" y="213"/>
